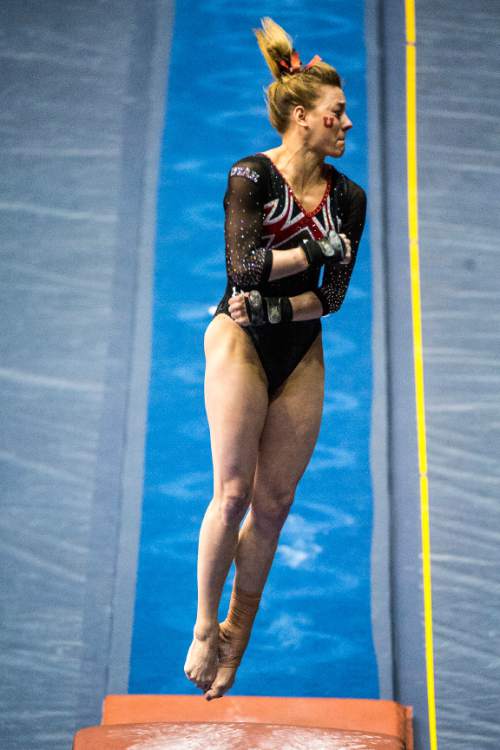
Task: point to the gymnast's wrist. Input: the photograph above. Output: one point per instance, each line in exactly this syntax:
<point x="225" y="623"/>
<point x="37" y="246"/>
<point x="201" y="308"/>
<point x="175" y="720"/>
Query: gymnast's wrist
<point x="318" y="252"/>
<point x="262" y="310"/>
<point x="286" y="309"/>
<point x="278" y="309"/>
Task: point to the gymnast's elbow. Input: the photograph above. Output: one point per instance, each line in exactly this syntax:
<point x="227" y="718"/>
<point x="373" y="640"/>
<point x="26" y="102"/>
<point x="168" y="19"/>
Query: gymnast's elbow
<point x="251" y="272"/>
<point x="332" y="305"/>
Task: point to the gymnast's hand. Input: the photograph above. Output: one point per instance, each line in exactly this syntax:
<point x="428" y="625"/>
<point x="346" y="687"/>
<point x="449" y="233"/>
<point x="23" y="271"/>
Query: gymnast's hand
<point x="237" y="308"/>
<point x="334" y="247"/>
<point x="347" y="245"/>
<point x="251" y="308"/>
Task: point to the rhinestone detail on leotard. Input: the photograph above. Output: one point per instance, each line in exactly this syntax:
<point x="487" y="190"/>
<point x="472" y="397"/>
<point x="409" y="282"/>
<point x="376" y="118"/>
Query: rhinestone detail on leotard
<point x="262" y="213"/>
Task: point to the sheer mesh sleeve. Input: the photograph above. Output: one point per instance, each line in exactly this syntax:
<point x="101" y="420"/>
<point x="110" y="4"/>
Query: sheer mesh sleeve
<point x="336" y="277"/>
<point x="248" y="264"/>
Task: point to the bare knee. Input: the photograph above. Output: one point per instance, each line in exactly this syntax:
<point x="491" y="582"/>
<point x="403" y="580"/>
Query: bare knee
<point x="271" y="508"/>
<point x="232" y="499"/>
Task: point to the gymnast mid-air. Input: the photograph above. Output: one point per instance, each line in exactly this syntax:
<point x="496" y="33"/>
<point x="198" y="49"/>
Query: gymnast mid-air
<point x="288" y="216"/>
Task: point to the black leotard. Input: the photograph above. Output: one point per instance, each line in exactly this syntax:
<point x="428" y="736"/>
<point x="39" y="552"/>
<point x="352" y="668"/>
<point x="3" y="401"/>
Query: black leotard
<point x="261" y="213"/>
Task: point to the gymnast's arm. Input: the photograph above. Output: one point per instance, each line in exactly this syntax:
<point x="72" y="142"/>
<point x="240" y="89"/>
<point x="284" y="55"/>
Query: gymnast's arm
<point x="328" y="298"/>
<point x="248" y="264"/>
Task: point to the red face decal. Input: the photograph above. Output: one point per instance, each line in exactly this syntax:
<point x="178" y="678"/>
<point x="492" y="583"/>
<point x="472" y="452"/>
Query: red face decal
<point x="328" y="121"/>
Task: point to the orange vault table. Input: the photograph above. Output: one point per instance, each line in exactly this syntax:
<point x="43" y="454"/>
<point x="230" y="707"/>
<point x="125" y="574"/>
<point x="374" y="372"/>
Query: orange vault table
<point x="168" y="722"/>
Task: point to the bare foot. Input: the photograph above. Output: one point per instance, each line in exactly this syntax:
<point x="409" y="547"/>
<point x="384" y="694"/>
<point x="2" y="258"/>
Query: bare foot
<point x="201" y="660"/>
<point x="223" y="681"/>
<point x="228" y="652"/>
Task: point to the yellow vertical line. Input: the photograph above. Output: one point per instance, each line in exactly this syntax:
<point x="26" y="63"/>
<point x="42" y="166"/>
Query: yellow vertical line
<point x="411" y="129"/>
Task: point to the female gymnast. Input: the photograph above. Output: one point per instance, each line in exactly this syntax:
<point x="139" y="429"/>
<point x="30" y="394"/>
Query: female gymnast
<point x="288" y="217"/>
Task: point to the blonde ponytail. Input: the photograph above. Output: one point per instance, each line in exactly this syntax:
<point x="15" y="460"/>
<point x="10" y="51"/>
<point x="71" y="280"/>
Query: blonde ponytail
<point x="275" y="45"/>
<point x="294" y="84"/>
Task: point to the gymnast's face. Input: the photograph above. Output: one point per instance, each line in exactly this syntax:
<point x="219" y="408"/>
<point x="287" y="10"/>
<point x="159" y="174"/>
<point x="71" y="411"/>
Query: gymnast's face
<point x="328" y="122"/>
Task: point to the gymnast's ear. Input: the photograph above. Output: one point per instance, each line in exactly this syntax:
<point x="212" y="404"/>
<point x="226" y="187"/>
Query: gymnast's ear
<point x="299" y="115"/>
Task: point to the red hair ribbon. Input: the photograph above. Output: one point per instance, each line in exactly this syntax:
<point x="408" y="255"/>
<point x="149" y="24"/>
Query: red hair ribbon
<point x="296" y="64"/>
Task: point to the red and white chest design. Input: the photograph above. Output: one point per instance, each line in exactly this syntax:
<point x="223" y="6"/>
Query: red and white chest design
<point x="284" y="219"/>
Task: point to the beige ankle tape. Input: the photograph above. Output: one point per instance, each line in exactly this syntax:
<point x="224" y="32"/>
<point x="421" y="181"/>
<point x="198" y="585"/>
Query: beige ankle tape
<point x="235" y="630"/>
<point x="242" y="609"/>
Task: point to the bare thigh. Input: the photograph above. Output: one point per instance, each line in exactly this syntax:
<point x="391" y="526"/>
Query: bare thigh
<point x="290" y="431"/>
<point x="236" y="402"/>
